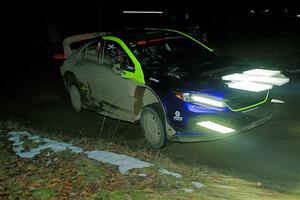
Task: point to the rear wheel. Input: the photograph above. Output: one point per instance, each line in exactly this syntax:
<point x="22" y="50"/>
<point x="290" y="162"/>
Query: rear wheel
<point x="75" y="98"/>
<point x="153" y="125"/>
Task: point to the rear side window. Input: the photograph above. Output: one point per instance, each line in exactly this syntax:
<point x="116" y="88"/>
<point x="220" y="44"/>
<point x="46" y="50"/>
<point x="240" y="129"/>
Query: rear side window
<point x="92" y="51"/>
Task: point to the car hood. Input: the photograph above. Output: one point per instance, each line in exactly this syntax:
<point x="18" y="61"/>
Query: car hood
<point x="205" y="78"/>
<point x="192" y="77"/>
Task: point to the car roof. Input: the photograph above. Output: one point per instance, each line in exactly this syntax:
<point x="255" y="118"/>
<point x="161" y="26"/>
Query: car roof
<point x="133" y="34"/>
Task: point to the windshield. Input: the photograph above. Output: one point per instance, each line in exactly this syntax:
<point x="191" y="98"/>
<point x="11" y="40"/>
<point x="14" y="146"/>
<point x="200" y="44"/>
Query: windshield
<point x="169" y="51"/>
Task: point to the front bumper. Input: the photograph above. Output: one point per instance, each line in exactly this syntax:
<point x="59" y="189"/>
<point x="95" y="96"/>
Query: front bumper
<point x="239" y="121"/>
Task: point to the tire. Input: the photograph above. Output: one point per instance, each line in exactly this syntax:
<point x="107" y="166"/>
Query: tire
<point x="75" y="98"/>
<point x="153" y="125"/>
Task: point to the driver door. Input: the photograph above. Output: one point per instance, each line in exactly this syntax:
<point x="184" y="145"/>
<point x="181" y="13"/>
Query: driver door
<point x="116" y="88"/>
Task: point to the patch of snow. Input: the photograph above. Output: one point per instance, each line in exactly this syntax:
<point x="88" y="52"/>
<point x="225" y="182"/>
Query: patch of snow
<point x="53" y="145"/>
<point x="277" y="101"/>
<point x="15" y="137"/>
<point x="47" y="140"/>
<point x="164" y="171"/>
<point x="198" y="185"/>
<point x="34" y="137"/>
<point x="29" y="154"/>
<point x="142" y="175"/>
<point x="188" y="190"/>
<point x="75" y="149"/>
<point x="125" y="162"/>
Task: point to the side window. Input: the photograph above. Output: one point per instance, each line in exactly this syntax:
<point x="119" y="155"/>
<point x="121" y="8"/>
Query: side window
<point x="115" y="54"/>
<point x="92" y="51"/>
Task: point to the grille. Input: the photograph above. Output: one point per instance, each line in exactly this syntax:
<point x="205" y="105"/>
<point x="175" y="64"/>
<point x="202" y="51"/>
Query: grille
<point x="241" y="99"/>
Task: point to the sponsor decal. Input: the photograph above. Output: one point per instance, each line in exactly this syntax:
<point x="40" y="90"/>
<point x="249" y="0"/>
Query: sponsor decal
<point x="177" y="116"/>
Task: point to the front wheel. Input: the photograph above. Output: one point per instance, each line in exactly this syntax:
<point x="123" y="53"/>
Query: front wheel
<point x="153" y="126"/>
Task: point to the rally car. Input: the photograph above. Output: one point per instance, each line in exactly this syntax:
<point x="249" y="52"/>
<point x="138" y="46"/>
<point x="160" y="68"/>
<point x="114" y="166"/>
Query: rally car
<point x="173" y="85"/>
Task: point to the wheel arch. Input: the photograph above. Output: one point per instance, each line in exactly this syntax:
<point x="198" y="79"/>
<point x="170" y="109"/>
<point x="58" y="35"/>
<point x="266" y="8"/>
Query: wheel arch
<point x="69" y="79"/>
<point x="145" y="96"/>
<point x="84" y="89"/>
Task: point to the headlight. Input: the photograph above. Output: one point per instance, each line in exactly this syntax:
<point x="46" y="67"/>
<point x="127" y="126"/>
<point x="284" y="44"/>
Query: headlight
<point x="203" y="99"/>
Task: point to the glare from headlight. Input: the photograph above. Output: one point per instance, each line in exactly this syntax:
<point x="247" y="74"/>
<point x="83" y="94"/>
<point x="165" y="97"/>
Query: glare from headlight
<point x="263" y="79"/>
<point x="262" y="72"/>
<point x="249" y="86"/>
<point x="216" y="127"/>
<point x="278" y="81"/>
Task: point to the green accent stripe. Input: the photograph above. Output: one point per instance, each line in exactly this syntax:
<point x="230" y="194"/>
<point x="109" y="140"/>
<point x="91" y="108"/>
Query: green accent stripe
<point x="190" y="38"/>
<point x="138" y="75"/>
<point x="248" y="107"/>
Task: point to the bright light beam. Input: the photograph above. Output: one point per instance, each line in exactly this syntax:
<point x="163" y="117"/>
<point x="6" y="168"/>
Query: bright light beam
<point x="216" y="127"/>
<point x="277" y="101"/>
<point x="278" y="81"/>
<point x="262" y="72"/>
<point x="249" y="86"/>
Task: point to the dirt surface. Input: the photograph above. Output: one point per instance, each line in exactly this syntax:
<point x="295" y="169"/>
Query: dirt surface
<point x="68" y="174"/>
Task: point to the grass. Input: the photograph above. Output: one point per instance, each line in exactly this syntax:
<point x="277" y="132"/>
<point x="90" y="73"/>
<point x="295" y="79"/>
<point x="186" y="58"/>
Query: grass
<point x="65" y="175"/>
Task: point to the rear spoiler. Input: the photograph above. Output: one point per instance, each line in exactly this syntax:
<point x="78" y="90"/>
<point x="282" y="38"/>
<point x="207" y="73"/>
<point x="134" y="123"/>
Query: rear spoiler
<point x="78" y="38"/>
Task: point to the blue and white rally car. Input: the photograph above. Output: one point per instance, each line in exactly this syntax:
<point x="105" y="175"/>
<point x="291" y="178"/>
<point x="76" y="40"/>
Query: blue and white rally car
<point x="173" y="85"/>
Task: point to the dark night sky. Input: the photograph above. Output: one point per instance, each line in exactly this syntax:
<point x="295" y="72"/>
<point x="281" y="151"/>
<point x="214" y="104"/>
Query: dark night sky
<point x="31" y="32"/>
<point x="37" y="24"/>
<point x="35" y="18"/>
